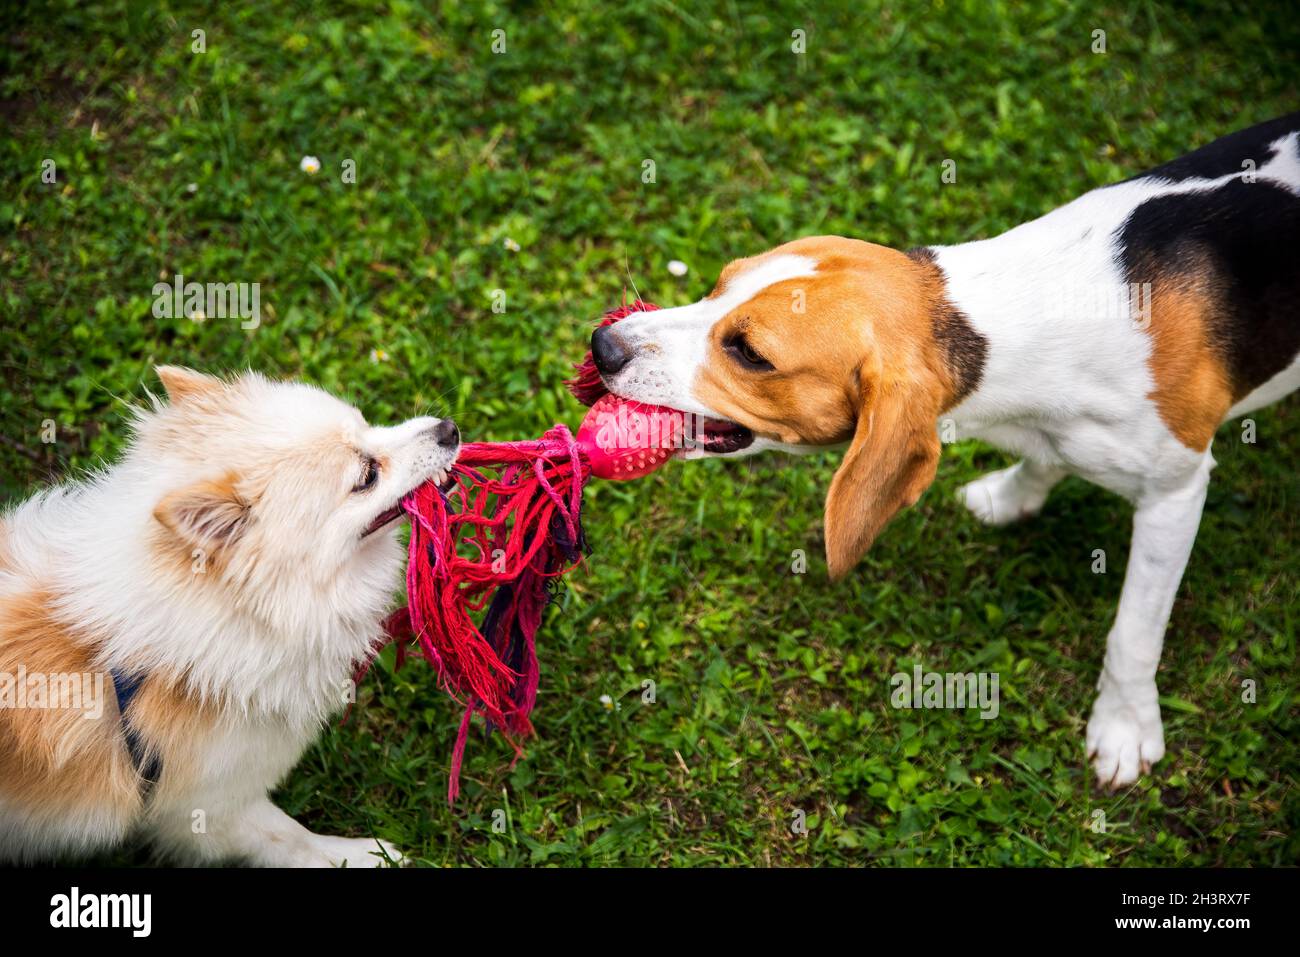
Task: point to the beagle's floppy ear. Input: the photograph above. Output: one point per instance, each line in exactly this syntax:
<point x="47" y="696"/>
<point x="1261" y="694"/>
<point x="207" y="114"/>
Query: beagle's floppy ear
<point x="891" y="460"/>
<point x="183" y="384"/>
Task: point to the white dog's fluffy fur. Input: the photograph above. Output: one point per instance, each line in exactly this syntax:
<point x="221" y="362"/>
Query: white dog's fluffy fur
<point x="240" y="558"/>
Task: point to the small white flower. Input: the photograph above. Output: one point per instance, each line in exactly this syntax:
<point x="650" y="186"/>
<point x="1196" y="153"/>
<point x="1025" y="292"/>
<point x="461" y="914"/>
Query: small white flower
<point x="607" y="702"/>
<point x="309" y="164"/>
<point x="677" y="267"/>
<point x="192" y="188"/>
<point x="511" y="245"/>
<point x="378" y="355"/>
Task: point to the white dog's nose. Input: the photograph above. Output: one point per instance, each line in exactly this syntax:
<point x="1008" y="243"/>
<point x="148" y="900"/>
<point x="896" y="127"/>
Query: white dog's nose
<point x="446" y="434"/>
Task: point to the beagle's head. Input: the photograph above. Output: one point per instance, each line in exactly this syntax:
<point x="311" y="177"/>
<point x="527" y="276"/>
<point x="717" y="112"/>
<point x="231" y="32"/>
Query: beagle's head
<point x="817" y="342"/>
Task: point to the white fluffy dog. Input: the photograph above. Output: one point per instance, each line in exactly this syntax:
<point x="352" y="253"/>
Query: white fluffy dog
<point x="175" y="630"/>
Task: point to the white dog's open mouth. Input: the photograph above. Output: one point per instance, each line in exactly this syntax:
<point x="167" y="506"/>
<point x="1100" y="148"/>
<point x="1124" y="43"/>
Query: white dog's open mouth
<point x="445" y="480"/>
<point x="384" y="518"/>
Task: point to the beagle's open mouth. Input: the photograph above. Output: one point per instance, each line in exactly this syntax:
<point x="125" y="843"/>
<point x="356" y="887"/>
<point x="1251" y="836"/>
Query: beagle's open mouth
<point x="445" y="480"/>
<point x="719" y="437"/>
<point x="703" y="434"/>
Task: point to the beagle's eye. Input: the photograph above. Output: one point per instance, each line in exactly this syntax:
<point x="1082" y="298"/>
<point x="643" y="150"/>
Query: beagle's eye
<point x="369" y="476"/>
<point x="746" y="354"/>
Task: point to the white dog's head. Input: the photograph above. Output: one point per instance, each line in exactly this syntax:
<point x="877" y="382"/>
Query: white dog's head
<point x="821" y="341"/>
<point x="281" y="495"/>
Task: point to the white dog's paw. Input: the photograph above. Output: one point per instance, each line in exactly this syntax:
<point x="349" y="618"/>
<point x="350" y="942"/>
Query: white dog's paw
<point x="353" y="852"/>
<point x="1124" y="739"/>
<point x="1002" y="497"/>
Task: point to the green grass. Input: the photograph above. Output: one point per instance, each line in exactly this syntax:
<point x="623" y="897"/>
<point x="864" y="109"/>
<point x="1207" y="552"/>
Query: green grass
<point x="772" y="689"/>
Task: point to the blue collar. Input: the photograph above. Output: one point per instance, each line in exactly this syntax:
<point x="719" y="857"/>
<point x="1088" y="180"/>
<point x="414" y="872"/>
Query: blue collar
<point x="147" y="765"/>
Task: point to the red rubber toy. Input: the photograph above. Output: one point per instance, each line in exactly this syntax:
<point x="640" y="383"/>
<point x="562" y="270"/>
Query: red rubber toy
<point x="499" y="538"/>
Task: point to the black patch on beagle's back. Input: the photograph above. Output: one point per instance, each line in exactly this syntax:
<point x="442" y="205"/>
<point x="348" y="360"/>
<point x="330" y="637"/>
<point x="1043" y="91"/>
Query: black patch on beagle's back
<point x="1226" y="155"/>
<point x="964" y="349"/>
<point x="1242" y="242"/>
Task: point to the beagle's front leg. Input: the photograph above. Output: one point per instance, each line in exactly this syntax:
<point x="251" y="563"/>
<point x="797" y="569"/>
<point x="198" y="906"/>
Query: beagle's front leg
<point x="1125" y="736"/>
<point x="1010" y="494"/>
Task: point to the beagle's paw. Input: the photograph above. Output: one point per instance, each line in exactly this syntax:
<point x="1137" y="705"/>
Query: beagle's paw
<point x="1125" y="736"/>
<point x="1005" y="496"/>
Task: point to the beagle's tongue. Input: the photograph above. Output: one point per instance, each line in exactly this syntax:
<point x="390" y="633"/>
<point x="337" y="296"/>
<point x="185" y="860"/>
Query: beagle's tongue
<point x="626" y="440"/>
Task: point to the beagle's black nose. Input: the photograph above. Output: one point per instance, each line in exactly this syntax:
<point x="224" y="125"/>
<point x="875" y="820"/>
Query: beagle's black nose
<point x="609" y="351"/>
<point x="446" y="434"/>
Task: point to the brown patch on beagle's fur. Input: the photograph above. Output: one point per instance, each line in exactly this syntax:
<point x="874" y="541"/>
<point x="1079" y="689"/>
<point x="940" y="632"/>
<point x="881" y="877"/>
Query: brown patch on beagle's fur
<point x="874" y="357"/>
<point x="55" y="760"/>
<point x="737" y="266"/>
<point x="1193" y="390"/>
<point x="729" y="271"/>
<point x="964" y="349"/>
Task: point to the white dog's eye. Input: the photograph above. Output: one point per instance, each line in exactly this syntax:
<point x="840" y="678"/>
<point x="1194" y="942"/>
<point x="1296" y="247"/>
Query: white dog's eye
<point x="369" y="477"/>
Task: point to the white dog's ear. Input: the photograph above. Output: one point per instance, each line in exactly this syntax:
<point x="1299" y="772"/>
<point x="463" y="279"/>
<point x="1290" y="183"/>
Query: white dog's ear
<point x="891" y="460"/>
<point x="208" y="515"/>
<point x="183" y="384"/>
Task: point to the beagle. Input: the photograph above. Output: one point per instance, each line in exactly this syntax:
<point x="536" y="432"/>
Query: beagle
<point x="1109" y="339"/>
